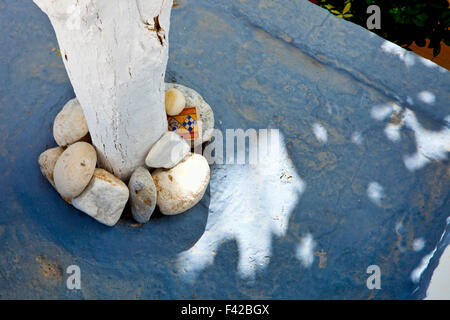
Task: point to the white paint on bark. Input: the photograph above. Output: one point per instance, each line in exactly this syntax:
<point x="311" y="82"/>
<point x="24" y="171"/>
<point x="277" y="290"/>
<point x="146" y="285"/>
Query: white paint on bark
<point x="115" y="53"/>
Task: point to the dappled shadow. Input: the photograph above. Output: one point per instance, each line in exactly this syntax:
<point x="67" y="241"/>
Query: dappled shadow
<point x="430" y="145"/>
<point x="249" y="204"/>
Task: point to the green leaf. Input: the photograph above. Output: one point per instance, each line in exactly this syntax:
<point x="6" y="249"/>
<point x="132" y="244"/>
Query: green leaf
<point x="347" y="8"/>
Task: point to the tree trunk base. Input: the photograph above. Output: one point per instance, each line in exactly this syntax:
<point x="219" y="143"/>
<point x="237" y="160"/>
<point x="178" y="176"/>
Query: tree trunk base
<point x="104" y="195"/>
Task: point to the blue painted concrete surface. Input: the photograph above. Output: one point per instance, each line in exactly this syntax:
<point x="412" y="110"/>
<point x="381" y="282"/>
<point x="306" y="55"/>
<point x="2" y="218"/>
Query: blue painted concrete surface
<point x="259" y="64"/>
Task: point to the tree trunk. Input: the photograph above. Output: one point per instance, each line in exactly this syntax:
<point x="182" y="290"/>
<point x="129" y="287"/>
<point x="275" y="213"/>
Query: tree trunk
<point x="115" y="53"/>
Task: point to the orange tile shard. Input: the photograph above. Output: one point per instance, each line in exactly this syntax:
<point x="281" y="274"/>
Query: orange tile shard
<point x="185" y="124"/>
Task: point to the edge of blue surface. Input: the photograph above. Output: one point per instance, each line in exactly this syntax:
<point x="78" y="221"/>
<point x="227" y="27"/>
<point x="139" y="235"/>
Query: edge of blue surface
<point x="350" y="48"/>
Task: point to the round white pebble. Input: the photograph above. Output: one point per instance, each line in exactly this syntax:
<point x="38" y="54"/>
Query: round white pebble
<point x="175" y="102"/>
<point x="70" y="124"/>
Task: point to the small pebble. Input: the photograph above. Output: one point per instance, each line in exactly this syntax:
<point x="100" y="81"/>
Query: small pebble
<point x="104" y="198"/>
<point x="175" y="102"/>
<point x="47" y="161"/>
<point x="74" y="169"/>
<point x="168" y="151"/>
<point x="142" y="195"/>
<point x="70" y="124"/>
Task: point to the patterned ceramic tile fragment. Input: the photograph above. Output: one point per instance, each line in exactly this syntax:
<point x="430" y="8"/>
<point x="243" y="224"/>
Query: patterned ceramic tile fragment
<point x="185" y="124"/>
<point x="204" y="114"/>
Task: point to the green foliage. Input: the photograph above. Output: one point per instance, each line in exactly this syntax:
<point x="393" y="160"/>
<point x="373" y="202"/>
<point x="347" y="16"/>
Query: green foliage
<point x="402" y="21"/>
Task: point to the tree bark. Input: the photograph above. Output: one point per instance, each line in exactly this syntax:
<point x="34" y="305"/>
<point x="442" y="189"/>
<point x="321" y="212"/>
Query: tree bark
<point x="115" y="53"/>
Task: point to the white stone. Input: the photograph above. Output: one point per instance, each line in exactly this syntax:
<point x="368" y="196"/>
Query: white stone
<point x="175" y="102"/>
<point x="47" y="161"/>
<point x="104" y="198"/>
<point x="115" y="53"/>
<point x="205" y="114"/>
<point x="70" y="124"/>
<point x="182" y="187"/>
<point x="167" y="152"/>
<point x="74" y="169"/>
<point x="142" y="195"/>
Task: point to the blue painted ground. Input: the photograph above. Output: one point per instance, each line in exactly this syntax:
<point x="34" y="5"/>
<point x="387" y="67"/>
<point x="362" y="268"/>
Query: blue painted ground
<point x="259" y="64"/>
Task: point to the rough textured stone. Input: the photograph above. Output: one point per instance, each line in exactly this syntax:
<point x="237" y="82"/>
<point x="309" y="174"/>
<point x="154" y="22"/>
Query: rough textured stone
<point x="70" y="124"/>
<point x="104" y="198"/>
<point x="204" y="112"/>
<point x="74" y="169"/>
<point x="175" y="102"/>
<point x="142" y="195"/>
<point x="167" y="152"/>
<point x="183" y="186"/>
<point x="47" y="161"/>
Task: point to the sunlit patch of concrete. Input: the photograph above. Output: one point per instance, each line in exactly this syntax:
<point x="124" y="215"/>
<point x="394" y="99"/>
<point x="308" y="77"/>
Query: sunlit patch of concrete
<point x="305" y="251"/>
<point x="408" y="58"/>
<point x="333" y="108"/>
<point x="382" y="111"/>
<point x="399" y="227"/>
<point x="410" y="100"/>
<point x="427" y="97"/>
<point x="357" y="138"/>
<point x="418" y="244"/>
<point x="375" y="192"/>
<point x="249" y="204"/>
<point x="430" y="145"/>
<point x="320" y="133"/>
<point x="392" y="132"/>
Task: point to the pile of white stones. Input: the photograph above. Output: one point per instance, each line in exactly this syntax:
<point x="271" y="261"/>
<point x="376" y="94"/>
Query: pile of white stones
<point x="175" y="179"/>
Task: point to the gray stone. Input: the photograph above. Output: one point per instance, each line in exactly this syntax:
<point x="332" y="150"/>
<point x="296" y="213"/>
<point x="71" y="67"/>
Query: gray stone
<point x="175" y="102"/>
<point x="142" y="195"/>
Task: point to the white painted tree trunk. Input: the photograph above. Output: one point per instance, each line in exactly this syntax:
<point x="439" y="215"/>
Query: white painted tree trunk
<point x="116" y="52"/>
